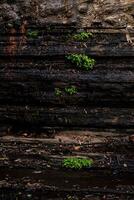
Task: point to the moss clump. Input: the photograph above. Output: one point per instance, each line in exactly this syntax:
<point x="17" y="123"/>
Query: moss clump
<point x="77" y="163"/>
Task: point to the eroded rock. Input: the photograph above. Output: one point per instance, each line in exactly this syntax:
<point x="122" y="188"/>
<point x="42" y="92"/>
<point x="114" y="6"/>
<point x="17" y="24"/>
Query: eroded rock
<point x="109" y="13"/>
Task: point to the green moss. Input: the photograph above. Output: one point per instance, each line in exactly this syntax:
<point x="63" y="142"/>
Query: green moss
<point x="82" y="61"/>
<point x="77" y="163"/>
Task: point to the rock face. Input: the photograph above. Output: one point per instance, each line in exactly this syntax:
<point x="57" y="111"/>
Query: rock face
<point x="107" y="13"/>
<point x="39" y="126"/>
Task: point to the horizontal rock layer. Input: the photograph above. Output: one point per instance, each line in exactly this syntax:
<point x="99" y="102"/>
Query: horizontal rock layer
<point x="31" y="114"/>
<point x="33" y="168"/>
<point x="32" y="68"/>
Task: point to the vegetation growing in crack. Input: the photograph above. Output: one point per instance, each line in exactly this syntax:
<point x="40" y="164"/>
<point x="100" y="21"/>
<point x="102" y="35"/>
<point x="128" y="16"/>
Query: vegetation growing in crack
<point x="82" y="36"/>
<point x="32" y="34"/>
<point x="77" y="163"/>
<point x="58" y="92"/>
<point x="68" y="197"/>
<point x="82" y="61"/>
<point x="70" y="90"/>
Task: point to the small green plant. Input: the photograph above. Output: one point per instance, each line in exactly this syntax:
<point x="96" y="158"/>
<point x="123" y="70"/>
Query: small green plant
<point x="71" y="90"/>
<point x="58" y="92"/>
<point x="32" y="34"/>
<point x="82" y="61"/>
<point x="83" y="36"/>
<point x="77" y="163"/>
<point x="68" y="90"/>
<point x="68" y="197"/>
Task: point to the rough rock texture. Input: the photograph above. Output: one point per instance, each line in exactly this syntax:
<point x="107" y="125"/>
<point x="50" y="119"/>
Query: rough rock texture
<point x="39" y="129"/>
<point x="108" y="13"/>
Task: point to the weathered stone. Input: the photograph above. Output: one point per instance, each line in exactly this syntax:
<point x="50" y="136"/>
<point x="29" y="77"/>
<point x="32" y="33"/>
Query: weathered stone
<point x="83" y="8"/>
<point x="110" y="13"/>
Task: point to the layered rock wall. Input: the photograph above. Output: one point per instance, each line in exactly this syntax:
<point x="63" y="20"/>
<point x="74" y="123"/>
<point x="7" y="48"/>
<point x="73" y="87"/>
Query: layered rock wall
<point x="107" y="13"/>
